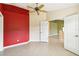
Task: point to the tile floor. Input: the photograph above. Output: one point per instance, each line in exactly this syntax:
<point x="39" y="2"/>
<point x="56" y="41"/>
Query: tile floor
<point x="53" y="48"/>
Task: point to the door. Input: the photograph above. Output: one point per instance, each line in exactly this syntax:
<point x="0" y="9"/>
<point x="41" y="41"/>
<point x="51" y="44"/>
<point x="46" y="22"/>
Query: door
<point x="71" y="33"/>
<point x="1" y="32"/>
<point x="44" y="31"/>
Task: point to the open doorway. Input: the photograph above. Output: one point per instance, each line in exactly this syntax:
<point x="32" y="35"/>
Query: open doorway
<point x="56" y="31"/>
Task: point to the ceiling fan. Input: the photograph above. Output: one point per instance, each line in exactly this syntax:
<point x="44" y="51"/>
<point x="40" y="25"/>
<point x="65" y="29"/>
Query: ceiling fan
<point x="37" y="9"/>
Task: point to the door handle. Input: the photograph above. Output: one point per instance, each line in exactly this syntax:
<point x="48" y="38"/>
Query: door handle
<point x="76" y="36"/>
<point x="40" y="32"/>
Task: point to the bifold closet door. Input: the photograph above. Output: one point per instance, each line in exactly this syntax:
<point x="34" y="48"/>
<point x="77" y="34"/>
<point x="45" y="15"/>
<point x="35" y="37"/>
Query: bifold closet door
<point x="71" y="33"/>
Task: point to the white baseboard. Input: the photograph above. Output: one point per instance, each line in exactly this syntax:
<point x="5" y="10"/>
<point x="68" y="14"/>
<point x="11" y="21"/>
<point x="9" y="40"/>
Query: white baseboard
<point x="16" y="45"/>
<point x="53" y="35"/>
<point x="34" y="40"/>
<point x="38" y="41"/>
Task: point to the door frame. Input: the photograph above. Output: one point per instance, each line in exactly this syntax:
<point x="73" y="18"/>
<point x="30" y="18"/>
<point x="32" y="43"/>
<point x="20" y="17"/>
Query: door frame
<point x="2" y="42"/>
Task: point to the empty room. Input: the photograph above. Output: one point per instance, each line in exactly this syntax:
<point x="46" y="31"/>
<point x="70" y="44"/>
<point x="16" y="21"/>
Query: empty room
<point x="39" y="29"/>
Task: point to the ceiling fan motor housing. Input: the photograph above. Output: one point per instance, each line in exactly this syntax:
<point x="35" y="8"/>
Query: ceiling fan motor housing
<point x="36" y="8"/>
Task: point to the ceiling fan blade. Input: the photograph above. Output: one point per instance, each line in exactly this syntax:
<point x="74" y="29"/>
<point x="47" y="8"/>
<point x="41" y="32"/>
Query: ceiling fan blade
<point x="30" y="7"/>
<point x="43" y="11"/>
<point x="41" y="6"/>
<point x="37" y="12"/>
<point x="32" y="11"/>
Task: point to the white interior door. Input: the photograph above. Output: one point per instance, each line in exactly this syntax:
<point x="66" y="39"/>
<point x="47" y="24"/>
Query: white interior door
<point x="71" y="33"/>
<point x="1" y="32"/>
<point x="44" y="31"/>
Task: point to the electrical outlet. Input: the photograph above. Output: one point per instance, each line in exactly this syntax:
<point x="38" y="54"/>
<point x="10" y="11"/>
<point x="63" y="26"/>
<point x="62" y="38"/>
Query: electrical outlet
<point x="17" y="40"/>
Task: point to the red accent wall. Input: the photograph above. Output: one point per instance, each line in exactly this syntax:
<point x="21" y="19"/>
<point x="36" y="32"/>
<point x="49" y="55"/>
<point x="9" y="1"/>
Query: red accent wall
<point x="0" y="7"/>
<point x="16" y="24"/>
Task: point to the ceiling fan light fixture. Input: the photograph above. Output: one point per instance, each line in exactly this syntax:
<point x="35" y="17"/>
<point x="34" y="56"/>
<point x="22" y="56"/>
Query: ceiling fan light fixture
<point x="37" y="8"/>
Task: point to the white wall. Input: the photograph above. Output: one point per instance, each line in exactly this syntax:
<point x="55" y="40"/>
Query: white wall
<point x="60" y="14"/>
<point x="35" y="25"/>
<point x="52" y="15"/>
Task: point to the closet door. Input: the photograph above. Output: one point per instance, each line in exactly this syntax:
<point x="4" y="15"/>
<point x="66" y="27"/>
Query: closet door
<point x="1" y="32"/>
<point x="71" y="33"/>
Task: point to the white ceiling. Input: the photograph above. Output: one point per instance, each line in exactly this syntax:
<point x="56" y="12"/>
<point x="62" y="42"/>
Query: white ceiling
<point x="48" y="6"/>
